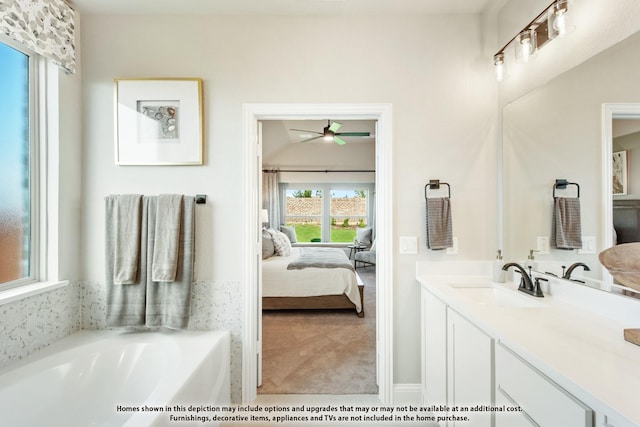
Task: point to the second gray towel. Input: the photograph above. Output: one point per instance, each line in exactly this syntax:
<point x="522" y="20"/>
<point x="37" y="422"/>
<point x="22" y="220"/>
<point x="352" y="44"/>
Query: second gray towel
<point x="167" y="238"/>
<point x="439" y="230"/>
<point x="566" y="227"/>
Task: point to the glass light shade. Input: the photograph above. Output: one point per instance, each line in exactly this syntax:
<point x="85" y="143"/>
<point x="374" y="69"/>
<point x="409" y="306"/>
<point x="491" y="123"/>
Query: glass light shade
<point x="557" y="19"/>
<point x="498" y="61"/>
<point x="525" y="45"/>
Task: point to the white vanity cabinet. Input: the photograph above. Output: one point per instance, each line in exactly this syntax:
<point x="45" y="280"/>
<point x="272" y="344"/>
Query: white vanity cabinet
<point x="543" y="402"/>
<point x="518" y="361"/>
<point x="470" y="369"/>
<point x="457" y="362"/>
<point x="434" y="350"/>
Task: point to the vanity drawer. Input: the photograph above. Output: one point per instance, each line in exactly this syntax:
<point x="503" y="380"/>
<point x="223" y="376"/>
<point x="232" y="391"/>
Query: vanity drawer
<point x="542" y="401"/>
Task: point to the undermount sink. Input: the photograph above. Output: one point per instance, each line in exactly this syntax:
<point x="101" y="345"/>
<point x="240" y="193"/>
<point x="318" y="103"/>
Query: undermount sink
<point x="489" y="294"/>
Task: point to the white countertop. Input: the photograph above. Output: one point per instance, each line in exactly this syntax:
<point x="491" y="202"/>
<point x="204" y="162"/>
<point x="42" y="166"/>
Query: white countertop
<point x="582" y="350"/>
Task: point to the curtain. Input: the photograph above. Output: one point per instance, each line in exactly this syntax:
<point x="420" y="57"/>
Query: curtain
<point x="270" y="196"/>
<point x="44" y="26"/>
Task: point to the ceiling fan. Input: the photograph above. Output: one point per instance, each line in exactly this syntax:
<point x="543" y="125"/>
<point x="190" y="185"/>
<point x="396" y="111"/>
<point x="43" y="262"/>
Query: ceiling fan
<point x="330" y="133"/>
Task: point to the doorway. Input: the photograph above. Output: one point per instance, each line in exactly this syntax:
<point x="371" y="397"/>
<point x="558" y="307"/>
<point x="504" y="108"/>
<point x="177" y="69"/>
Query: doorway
<point x="252" y="114"/>
<point x="611" y="113"/>
<point x="323" y="191"/>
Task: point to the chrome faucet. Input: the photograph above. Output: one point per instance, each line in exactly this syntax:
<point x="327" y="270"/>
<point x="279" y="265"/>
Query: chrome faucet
<point x="567" y="274"/>
<point x="526" y="285"/>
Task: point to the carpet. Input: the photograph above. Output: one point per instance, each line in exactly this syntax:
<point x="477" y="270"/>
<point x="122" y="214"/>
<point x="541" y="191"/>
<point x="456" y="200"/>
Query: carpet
<point x="321" y="351"/>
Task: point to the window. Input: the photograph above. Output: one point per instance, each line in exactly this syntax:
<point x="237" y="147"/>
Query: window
<point x="303" y="210"/>
<point x="17" y="167"/>
<point x="349" y="210"/>
<point x="327" y="213"/>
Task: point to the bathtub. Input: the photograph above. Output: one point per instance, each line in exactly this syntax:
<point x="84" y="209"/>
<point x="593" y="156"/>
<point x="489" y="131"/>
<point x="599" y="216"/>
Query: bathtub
<point x="99" y="378"/>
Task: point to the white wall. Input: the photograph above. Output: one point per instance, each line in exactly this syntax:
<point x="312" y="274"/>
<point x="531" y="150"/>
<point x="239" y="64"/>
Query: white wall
<point x="430" y="68"/>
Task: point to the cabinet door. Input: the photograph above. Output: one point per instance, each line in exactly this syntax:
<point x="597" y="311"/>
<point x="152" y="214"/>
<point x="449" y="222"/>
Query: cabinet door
<point x="470" y="370"/>
<point x="434" y="350"/>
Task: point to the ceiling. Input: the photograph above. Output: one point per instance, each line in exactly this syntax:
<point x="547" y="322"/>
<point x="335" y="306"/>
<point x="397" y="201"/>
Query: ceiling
<point x="282" y="7"/>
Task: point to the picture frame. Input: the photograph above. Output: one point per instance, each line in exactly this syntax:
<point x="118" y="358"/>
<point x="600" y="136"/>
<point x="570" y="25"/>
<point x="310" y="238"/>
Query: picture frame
<point x="619" y="173"/>
<point x="159" y="121"/>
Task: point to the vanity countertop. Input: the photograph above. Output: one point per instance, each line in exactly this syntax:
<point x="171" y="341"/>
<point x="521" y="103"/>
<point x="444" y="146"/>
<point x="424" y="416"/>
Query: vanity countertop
<point x="580" y="349"/>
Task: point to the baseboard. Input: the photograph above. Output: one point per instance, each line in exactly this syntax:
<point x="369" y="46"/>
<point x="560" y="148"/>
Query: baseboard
<point x="406" y="394"/>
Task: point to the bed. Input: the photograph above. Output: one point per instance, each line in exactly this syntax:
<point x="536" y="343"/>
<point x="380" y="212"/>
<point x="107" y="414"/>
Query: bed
<point x="310" y="287"/>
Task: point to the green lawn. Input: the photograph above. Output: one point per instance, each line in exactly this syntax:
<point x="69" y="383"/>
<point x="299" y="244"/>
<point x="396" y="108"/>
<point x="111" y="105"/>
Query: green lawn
<point x="306" y="232"/>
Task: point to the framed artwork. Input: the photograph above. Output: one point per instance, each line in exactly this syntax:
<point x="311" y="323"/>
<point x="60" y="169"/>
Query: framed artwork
<point x="619" y="173"/>
<point x="159" y="121"/>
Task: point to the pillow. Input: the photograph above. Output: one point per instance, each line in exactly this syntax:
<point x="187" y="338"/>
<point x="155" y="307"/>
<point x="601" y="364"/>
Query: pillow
<point x="290" y="232"/>
<point x="268" y="249"/>
<point x="363" y="235"/>
<point x="281" y="242"/>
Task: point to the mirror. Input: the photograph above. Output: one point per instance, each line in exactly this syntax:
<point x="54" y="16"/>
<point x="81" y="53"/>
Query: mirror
<point x="556" y="132"/>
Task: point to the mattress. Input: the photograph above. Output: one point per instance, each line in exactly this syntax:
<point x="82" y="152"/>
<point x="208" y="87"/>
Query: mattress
<point x="277" y="281"/>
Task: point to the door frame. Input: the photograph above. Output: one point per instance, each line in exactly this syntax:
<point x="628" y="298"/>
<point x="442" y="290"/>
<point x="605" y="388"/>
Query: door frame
<point x="252" y="251"/>
<point x="611" y="111"/>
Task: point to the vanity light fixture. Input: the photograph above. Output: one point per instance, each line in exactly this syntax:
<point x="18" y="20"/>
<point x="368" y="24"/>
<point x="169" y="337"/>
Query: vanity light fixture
<point x="549" y="24"/>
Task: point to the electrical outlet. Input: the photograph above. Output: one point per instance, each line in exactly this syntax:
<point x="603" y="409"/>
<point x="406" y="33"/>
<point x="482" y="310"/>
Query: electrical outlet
<point x="543" y="245"/>
<point x="588" y="245"/>
<point x="454" y="249"/>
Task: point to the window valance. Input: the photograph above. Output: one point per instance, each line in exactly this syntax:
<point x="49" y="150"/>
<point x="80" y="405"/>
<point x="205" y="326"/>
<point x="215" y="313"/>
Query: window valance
<point x="44" y="26"/>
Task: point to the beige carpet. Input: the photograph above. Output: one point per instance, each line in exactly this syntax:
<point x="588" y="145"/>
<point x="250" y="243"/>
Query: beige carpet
<point x="321" y="351"/>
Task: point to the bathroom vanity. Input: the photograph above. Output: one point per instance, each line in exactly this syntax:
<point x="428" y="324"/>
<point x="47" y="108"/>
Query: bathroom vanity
<point x="561" y="359"/>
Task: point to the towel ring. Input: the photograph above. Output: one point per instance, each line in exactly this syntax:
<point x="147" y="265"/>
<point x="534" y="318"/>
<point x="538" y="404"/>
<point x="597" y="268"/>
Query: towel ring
<point x="562" y="184"/>
<point x="434" y="184"/>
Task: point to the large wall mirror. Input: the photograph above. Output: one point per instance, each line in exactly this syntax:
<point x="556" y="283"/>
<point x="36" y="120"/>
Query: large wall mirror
<point x="559" y="131"/>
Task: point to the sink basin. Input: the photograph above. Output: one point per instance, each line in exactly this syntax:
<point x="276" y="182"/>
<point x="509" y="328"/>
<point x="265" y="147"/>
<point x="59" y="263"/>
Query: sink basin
<point x="489" y="294"/>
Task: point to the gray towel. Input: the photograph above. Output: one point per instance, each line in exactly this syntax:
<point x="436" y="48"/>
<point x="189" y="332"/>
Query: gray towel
<point x="169" y="303"/>
<point x="566" y="227"/>
<point x="125" y="302"/>
<point x="439" y="230"/>
<point x="125" y="210"/>
<point x="167" y="234"/>
<point x="146" y="302"/>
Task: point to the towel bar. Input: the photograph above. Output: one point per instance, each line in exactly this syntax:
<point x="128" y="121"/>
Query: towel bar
<point x="562" y="185"/>
<point x="200" y="199"/>
<point x="434" y="184"/>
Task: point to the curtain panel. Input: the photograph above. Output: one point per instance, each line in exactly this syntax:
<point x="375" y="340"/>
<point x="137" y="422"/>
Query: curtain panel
<point x="270" y="197"/>
<point x="44" y="26"/>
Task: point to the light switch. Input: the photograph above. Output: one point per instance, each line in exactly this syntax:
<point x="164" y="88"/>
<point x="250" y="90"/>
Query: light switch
<point x="408" y="245"/>
<point x="588" y="245"/>
<point x="543" y="245"/>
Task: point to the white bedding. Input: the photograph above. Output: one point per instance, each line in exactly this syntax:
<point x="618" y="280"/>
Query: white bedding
<point x="277" y="281"/>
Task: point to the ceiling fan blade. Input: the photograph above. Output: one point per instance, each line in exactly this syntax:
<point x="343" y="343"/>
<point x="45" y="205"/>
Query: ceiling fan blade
<point x="307" y="131"/>
<point x="354" y="134"/>
<point x="339" y="141"/>
<point x="312" y="139"/>
<point x="334" y="127"/>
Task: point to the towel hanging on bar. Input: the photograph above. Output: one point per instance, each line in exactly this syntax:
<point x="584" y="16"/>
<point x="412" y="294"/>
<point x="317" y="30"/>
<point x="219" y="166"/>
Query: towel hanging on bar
<point x="438" y="218"/>
<point x="146" y="302"/>
<point x="566" y="227"/>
